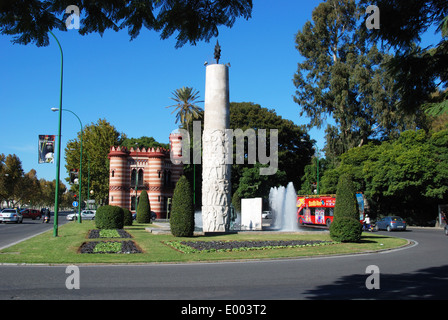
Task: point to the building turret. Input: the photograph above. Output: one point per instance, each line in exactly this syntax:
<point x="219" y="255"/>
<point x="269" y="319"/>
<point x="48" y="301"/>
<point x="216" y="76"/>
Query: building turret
<point x="134" y="170"/>
<point x="119" y="177"/>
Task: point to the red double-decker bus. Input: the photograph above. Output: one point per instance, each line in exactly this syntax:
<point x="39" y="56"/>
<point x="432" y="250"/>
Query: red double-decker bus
<point x="316" y="209"/>
<point x="319" y="209"/>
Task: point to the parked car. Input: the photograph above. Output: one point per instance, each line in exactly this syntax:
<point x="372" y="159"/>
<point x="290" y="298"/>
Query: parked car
<point x="85" y="215"/>
<point x="446" y="229"/>
<point x="11" y="215"/>
<point x="266" y="215"/>
<point x="391" y="223"/>
<point x="31" y="213"/>
<point x="153" y="216"/>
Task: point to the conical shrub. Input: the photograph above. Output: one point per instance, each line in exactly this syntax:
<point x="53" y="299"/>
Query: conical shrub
<point x="346" y="226"/>
<point x="182" y="210"/>
<point x="143" y="208"/>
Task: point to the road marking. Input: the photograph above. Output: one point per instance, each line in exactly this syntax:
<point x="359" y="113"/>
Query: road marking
<point x="27" y="238"/>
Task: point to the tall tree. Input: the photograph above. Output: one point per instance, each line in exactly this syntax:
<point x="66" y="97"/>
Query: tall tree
<point x="407" y="176"/>
<point x="47" y="190"/>
<point x="294" y="144"/>
<point x="144" y="142"/>
<point x="192" y="20"/>
<point x="12" y="179"/>
<point x="97" y="140"/>
<point x="186" y="99"/>
<point x="419" y="72"/>
<point x="342" y="77"/>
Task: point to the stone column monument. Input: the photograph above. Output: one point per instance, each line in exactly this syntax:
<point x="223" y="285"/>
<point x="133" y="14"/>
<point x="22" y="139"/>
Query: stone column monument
<point x="215" y="164"/>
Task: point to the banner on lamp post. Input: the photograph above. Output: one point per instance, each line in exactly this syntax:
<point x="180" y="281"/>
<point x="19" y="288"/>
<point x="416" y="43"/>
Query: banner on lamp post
<point x="46" y="148"/>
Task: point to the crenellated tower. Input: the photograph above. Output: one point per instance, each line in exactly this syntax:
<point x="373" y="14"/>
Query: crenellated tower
<point x="134" y="170"/>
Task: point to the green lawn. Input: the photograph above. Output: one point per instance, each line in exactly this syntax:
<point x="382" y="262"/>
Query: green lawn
<point x="63" y="249"/>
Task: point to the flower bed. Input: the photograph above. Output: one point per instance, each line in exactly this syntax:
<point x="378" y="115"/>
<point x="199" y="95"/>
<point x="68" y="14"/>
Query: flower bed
<point x="108" y="233"/>
<point x="223" y="246"/>
<point x="109" y="247"/>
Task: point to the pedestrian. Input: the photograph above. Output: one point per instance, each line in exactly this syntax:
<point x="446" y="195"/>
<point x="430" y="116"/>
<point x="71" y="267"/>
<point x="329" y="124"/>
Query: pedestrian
<point x="367" y="222"/>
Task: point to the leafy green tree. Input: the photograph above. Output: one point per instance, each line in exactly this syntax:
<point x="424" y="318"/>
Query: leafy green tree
<point x="17" y="188"/>
<point x="186" y="109"/>
<point x="294" y="144"/>
<point x="97" y="140"/>
<point x="294" y="151"/>
<point x="182" y="210"/>
<point x="11" y="176"/>
<point x="252" y="184"/>
<point x="309" y="178"/>
<point x="29" y="189"/>
<point x="342" y="77"/>
<point x="143" y="142"/>
<point x="346" y="226"/>
<point x="191" y="20"/>
<point x="143" y="208"/>
<point x="418" y="72"/>
<point x="406" y="177"/>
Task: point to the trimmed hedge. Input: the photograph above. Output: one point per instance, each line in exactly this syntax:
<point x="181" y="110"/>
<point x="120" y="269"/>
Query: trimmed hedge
<point x="127" y="217"/>
<point x="346" y="229"/>
<point x="143" y="208"/>
<point x="182" y="210"/>
<point x="109" y="217"/>
<point x="346" y="226"/>
<point x="346" y="204"/>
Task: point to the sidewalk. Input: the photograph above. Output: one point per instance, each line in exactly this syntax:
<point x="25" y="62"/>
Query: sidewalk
<point x="159" y="228"/>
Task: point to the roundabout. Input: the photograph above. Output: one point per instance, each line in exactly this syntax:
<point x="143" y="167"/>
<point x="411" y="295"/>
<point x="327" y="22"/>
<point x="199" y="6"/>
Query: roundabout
<point x="416" y="271"/>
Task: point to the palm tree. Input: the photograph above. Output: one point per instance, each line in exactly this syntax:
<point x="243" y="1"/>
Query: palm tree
<point x="186" y="107"/>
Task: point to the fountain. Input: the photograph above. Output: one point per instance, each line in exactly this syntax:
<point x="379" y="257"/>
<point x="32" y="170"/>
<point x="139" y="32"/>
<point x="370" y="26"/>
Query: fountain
<point x="282" y="202"/>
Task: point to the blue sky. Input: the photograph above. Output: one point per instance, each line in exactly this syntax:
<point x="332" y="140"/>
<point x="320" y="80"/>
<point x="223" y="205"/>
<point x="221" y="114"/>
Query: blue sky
<point x="129" y="83"/>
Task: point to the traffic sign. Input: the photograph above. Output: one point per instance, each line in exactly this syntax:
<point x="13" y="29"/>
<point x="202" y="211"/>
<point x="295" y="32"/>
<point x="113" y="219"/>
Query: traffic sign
<point x="75" y="203"/>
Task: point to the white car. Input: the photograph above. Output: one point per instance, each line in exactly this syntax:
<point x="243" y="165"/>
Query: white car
<point x="85" y="215"/>
<point x="11" y="215"/>
<point x="266" y="215"/>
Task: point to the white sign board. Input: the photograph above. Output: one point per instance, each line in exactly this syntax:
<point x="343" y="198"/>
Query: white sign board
<point x="251" y="214"/>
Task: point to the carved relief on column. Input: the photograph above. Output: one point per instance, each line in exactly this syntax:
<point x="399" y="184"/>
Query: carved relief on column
<point x="215" y="181"/>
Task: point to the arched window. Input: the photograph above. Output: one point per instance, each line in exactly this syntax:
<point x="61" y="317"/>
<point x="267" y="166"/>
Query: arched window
<point x="133" y="173"/>
<point x="167" y="178"/>
<point x="133" y="202"/>
<point x="140" y="177"/>
<point x="112" y="173"/>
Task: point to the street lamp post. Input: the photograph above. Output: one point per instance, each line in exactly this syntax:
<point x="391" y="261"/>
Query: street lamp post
<point x="58" y="158"/>
<point x="80" y="161"/>
<point x="136" y="177"/>
<point x="88" y="181"/>
<point x="317" y="158"/>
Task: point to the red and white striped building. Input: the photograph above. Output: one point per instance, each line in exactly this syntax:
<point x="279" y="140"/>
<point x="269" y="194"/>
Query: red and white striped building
<point x="156" y="174"/>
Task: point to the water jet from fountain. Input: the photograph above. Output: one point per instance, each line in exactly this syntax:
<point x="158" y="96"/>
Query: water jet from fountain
<point x="282" y="202"/>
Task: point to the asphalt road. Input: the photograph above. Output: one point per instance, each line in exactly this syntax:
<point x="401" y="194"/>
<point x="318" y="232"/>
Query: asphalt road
<point x="11" y="233"/>
<point x="419" y="271"/>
